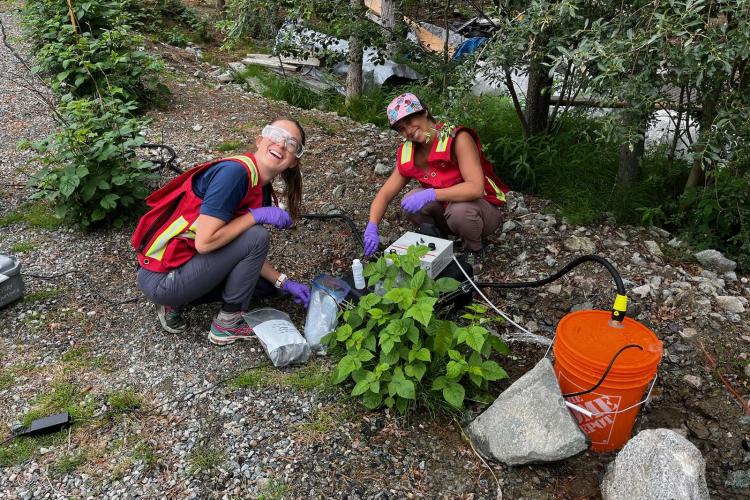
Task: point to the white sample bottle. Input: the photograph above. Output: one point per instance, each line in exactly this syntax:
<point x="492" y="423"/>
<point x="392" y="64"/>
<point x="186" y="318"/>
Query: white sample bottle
<point x="359" y="279"/>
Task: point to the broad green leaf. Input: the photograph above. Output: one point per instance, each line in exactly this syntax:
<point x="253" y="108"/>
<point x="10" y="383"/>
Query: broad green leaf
<point x="498" y="344"/>
<point x="454" y="394"/>
<point x="443" y="332"/>
<point x="360" y="388"/>
<point x="447" y="284"/>
<point x="343" y="332"/>
<point x="370" y="300"/>
<point x="417" y="280"/>
<point x="455" y="369"/>
<point x="375" y="386"/>
<point x="423" y="354"/>
<point x="493" y="371"/>
<point x="422" y="311"/>
<point x="364" y="355"/>
<point x="372" y="400"/>
<point x="440" y="382"/>
<point x="415" y="370"/>
<point x="475" y="337"/>
<point x="402" y="405"/>
<point x="405" y="389"/>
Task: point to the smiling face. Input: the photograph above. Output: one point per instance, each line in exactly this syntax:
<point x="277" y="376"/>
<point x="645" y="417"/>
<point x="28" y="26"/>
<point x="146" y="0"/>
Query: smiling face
<point x="274" y="151"/>
<point x="417" y="128"/>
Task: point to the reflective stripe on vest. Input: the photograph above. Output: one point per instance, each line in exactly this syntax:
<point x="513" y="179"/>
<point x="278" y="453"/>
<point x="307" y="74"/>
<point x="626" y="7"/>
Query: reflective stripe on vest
<point x="407" y="150"/>
<point x="190" y="233"/>
<point x="249" y="165"/>
<point x="156" y="250"/>
<point x="498" y="192"/>
<point x="442" y="144"/>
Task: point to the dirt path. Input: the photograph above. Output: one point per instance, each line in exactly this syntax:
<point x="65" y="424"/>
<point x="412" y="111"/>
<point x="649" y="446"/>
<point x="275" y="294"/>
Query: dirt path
<point x="288" y="433"/>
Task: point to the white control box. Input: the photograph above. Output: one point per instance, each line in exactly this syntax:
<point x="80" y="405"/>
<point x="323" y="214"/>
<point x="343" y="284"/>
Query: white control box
<point x="437" y="259"/>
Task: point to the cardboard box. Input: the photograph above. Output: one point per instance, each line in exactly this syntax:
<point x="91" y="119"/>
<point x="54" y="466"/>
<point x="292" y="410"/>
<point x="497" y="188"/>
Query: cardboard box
<point x="11" y="285"/>
<point x="437" y="259"/>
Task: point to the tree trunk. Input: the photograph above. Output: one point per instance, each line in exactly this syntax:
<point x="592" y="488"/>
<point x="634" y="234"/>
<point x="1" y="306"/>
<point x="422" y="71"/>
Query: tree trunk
<point x="629" y="168"/>
<point x="354" y="76"/>
<point x="697" y="176"/>
<point x="538" y="96"/>
<point x="388" y="17"/>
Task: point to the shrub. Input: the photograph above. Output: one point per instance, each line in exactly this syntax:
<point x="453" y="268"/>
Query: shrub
<point x="399" y="353"/>
<point x="90" y="171"/>
<point x="104" y="59"/>
<point x="718" y="215"/>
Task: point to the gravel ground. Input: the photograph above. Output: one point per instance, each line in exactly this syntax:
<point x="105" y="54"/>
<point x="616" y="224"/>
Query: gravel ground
<point x="88" y="338"/>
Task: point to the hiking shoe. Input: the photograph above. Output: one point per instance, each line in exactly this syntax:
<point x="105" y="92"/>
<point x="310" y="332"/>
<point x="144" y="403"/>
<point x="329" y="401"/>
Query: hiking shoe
<point x="227" y="332"/>
<point x="171" y="318"/>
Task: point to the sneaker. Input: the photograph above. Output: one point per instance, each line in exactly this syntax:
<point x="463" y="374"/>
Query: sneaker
<point x="171" y="318"/>
<point x="227" y="332"/>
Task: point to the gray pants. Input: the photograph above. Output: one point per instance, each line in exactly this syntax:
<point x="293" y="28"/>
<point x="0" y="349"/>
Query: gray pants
<point x="230" y="274"/>
<point x="471" y="220"/>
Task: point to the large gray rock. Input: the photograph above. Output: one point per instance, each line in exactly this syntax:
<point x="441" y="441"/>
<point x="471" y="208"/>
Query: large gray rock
<point x="713" y="259"/>
<point x="657" y="464"/>
<point x="529" y="422"/>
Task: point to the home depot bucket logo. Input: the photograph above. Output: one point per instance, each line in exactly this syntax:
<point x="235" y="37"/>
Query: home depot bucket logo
<point x="598" y="427"/>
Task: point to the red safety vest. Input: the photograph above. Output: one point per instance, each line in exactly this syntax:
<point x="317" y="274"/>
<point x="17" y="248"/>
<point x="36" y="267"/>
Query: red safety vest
<point x="443" y="172"/>
<point x="165" y="236"/>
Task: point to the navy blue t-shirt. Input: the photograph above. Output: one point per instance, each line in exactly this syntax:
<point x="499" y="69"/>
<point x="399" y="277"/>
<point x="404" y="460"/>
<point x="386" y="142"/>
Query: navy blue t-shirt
<point x="222" y="187"/>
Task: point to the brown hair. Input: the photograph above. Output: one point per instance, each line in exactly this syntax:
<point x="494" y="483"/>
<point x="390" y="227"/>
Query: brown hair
<point x="292" y="176"/>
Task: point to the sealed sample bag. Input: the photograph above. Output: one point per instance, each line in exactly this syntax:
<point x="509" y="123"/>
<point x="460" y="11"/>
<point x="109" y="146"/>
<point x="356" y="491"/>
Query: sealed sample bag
<point x="279" y="337"/>
<point x="322" y="315"/>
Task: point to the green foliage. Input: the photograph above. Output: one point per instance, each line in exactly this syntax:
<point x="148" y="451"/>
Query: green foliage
<point x="205" y="458"/>
<point x="398" y="353"/>
<point x="22" y="247"/>
<point x="20" y="450"/>
<point x="227" y="146"/>
<point x="101" y="78"/>
<point x="124" y="401"/>
<point x="64" y="397"/>
<point x="170" y="21"/>
<point x="718" y="216"/>
<point x="37" y="214"/>
<point x="90" y="170"/>
<point x="43" y="295"/>
<point x="68" y="463"/>
<point x="104" y="59"/>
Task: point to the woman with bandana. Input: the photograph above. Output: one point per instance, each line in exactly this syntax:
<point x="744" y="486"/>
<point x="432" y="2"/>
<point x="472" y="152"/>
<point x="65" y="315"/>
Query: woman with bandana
<point x="458" y="191"/>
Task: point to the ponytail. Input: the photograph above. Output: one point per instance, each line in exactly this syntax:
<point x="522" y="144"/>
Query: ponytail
<point x="293" y="189"/>
<point x="292" y="177"/>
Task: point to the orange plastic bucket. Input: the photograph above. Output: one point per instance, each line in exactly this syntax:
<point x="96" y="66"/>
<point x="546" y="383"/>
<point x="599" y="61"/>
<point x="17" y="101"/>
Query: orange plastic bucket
<point x="585" y="345"/>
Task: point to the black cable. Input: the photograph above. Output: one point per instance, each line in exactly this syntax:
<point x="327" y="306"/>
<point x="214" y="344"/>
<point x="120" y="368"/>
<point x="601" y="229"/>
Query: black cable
<point x="346" y="218"/>
<point x="606" y="372"/>
<point x="568" y="267"/>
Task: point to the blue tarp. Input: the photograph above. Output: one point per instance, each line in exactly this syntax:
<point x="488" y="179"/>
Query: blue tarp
<point x="469" y="46"/>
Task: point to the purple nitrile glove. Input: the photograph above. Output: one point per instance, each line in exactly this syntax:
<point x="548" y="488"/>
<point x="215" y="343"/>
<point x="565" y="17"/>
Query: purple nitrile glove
<point x="414" y="202"/>
<point x="300" y="292"/>
<point x="271" y="215"/>
<point x="372" y="240"/>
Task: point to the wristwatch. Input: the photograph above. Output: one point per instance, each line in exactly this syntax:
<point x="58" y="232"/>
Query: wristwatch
<point x="280" y="280"/>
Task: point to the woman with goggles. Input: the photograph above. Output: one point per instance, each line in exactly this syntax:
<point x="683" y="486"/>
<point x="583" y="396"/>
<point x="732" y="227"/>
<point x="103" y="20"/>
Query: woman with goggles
<point x="204" y="238"/>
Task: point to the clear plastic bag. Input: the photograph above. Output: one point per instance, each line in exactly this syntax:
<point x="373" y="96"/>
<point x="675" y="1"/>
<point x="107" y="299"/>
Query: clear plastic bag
<point x="322" y="314"/>
<point x="279" y="337"/>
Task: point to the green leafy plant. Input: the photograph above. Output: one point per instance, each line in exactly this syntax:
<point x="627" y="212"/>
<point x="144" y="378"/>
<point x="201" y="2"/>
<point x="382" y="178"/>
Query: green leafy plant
<point x="399" y="353"/>
<point x="90" y="170"/>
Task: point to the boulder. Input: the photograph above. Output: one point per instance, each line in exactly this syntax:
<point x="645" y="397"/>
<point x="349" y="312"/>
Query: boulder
<point x="529" y="422"/>
<point x="713" y="259"/>
<point x="656" y="464"/>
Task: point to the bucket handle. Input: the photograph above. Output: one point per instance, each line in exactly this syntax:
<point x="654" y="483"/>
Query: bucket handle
<point x="588" y="413"/>
<point x="606" y="372"/>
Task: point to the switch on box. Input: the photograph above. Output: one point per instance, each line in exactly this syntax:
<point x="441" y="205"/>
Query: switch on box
<point x="435" y="260"/>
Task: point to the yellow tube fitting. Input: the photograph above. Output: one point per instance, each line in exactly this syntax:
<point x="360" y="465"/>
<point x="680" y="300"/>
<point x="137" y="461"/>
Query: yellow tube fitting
<point x="620" y="307"/>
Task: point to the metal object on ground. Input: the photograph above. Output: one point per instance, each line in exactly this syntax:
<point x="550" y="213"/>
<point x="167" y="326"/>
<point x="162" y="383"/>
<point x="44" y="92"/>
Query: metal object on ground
<point x="11" y="284"/>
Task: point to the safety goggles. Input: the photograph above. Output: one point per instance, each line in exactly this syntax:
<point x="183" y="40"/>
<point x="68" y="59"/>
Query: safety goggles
<point x="281" y="137"/>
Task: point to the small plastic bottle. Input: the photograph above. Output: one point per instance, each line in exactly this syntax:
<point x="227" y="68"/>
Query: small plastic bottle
<point x="359" y="279"/>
